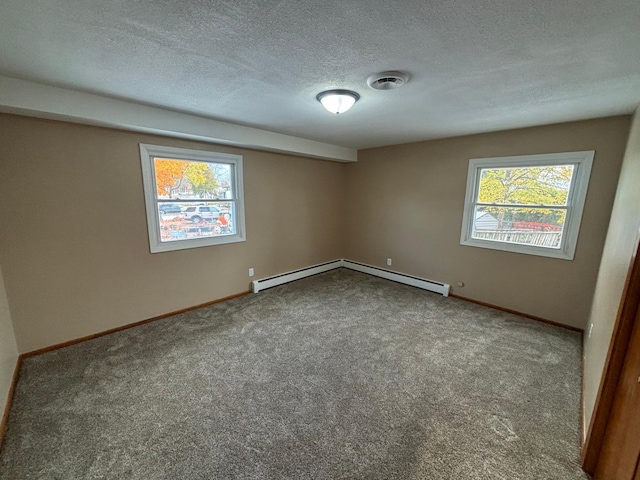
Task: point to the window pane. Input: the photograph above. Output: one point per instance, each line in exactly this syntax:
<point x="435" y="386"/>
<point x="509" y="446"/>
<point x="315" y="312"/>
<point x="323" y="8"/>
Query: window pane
<point x="188" y="179"/>
<point x="527" y="185"/>
<point x="212" y="219"/>
<point x="193" y="198"/>
<point x="542" y="227"/>
<point x="223" y="174"/>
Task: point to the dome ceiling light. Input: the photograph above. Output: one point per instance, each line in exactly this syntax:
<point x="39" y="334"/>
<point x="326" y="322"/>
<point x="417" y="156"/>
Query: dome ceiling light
<point x="337" y="101"/>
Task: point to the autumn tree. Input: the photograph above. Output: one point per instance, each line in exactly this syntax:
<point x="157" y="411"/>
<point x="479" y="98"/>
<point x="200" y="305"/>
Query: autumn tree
<point x="201" y="178"/>
<point x="535" y="186"/>
<point x="169" y="175"/>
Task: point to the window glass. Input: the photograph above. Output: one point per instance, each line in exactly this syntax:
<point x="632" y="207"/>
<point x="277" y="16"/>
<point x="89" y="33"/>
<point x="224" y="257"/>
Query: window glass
<point x="530" y="204"/>
<point x="193" y="198"/>
<point x="523" y="191"/>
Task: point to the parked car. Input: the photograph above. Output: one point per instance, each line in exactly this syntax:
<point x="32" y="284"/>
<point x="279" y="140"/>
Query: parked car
<point x="169" y="208"/>
<point x="197" y="213"/>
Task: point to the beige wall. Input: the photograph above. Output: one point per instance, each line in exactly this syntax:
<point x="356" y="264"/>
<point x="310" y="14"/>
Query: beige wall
<point x="74" y="247"/>
<point x="406" y="201"/>
<point x="616" y="259"/>
<point x="75" y="254"/>
<point x="8" y="348"/>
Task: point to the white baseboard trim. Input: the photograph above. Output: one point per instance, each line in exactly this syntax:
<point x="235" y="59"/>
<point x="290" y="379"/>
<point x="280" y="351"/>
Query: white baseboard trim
<point x="437" y="287"/>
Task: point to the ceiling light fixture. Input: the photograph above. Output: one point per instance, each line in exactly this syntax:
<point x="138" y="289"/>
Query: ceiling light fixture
<point x="337" y="101"/>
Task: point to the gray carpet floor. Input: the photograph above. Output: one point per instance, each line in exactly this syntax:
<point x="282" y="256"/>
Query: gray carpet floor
<point x="337" y="376"/>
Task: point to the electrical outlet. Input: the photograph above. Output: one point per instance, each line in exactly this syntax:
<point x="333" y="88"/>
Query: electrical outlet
<point x="388" y="261"/>
<point x="461" y="284"/>
<point x="251" y="272"/>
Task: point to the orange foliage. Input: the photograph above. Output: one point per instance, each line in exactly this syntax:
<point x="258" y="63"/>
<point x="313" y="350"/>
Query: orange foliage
<point x="168" y="174"/>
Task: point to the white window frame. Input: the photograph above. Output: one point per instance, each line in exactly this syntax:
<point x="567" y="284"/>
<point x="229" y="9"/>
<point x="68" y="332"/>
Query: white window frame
<point x="582" y="162"/>
<point x="147" y="155"/>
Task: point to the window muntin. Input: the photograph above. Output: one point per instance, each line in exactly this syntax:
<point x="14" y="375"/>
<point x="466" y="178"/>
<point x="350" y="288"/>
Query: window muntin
<point x="530" y="204"/>
<point x="193" y="198"/>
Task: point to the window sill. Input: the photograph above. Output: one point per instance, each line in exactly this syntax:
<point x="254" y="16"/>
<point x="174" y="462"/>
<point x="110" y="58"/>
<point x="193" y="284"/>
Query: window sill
<point x="518" y="248"/>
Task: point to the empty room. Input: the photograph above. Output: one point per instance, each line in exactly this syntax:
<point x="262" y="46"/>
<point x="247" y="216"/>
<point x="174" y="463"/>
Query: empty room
<point x="324" y="240"/>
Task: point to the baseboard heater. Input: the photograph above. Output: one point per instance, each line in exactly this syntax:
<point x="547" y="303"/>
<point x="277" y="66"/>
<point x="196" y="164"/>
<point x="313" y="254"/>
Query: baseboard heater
<point x="258" y="285"/>
<point x="437" y="287"/>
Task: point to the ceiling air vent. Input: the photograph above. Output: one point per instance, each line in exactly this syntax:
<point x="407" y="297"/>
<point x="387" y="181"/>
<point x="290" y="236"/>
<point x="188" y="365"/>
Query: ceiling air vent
<point x="387" y="80"/>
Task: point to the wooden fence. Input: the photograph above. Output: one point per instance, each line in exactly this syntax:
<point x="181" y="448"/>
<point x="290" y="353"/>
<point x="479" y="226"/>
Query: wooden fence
<point x="540" y="239"/>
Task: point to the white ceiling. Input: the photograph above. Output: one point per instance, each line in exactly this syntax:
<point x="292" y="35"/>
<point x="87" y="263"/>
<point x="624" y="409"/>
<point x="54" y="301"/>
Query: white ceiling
<point x="475" y="65"/>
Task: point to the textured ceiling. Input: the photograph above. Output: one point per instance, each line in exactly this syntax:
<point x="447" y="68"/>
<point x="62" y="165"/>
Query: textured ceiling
<point x="475" y="65"/>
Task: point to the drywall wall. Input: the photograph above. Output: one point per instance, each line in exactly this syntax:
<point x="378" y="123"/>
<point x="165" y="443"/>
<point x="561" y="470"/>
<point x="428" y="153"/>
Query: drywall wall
<point x="405" y="202"/>
<point x="8" y="348"/>
<point x="74" y="246"/>
<point x="616" y="259"/>
<point x="75" y="254"/>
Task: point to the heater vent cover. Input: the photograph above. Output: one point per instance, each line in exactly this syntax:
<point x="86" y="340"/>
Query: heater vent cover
<point x="387" y="80"/>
